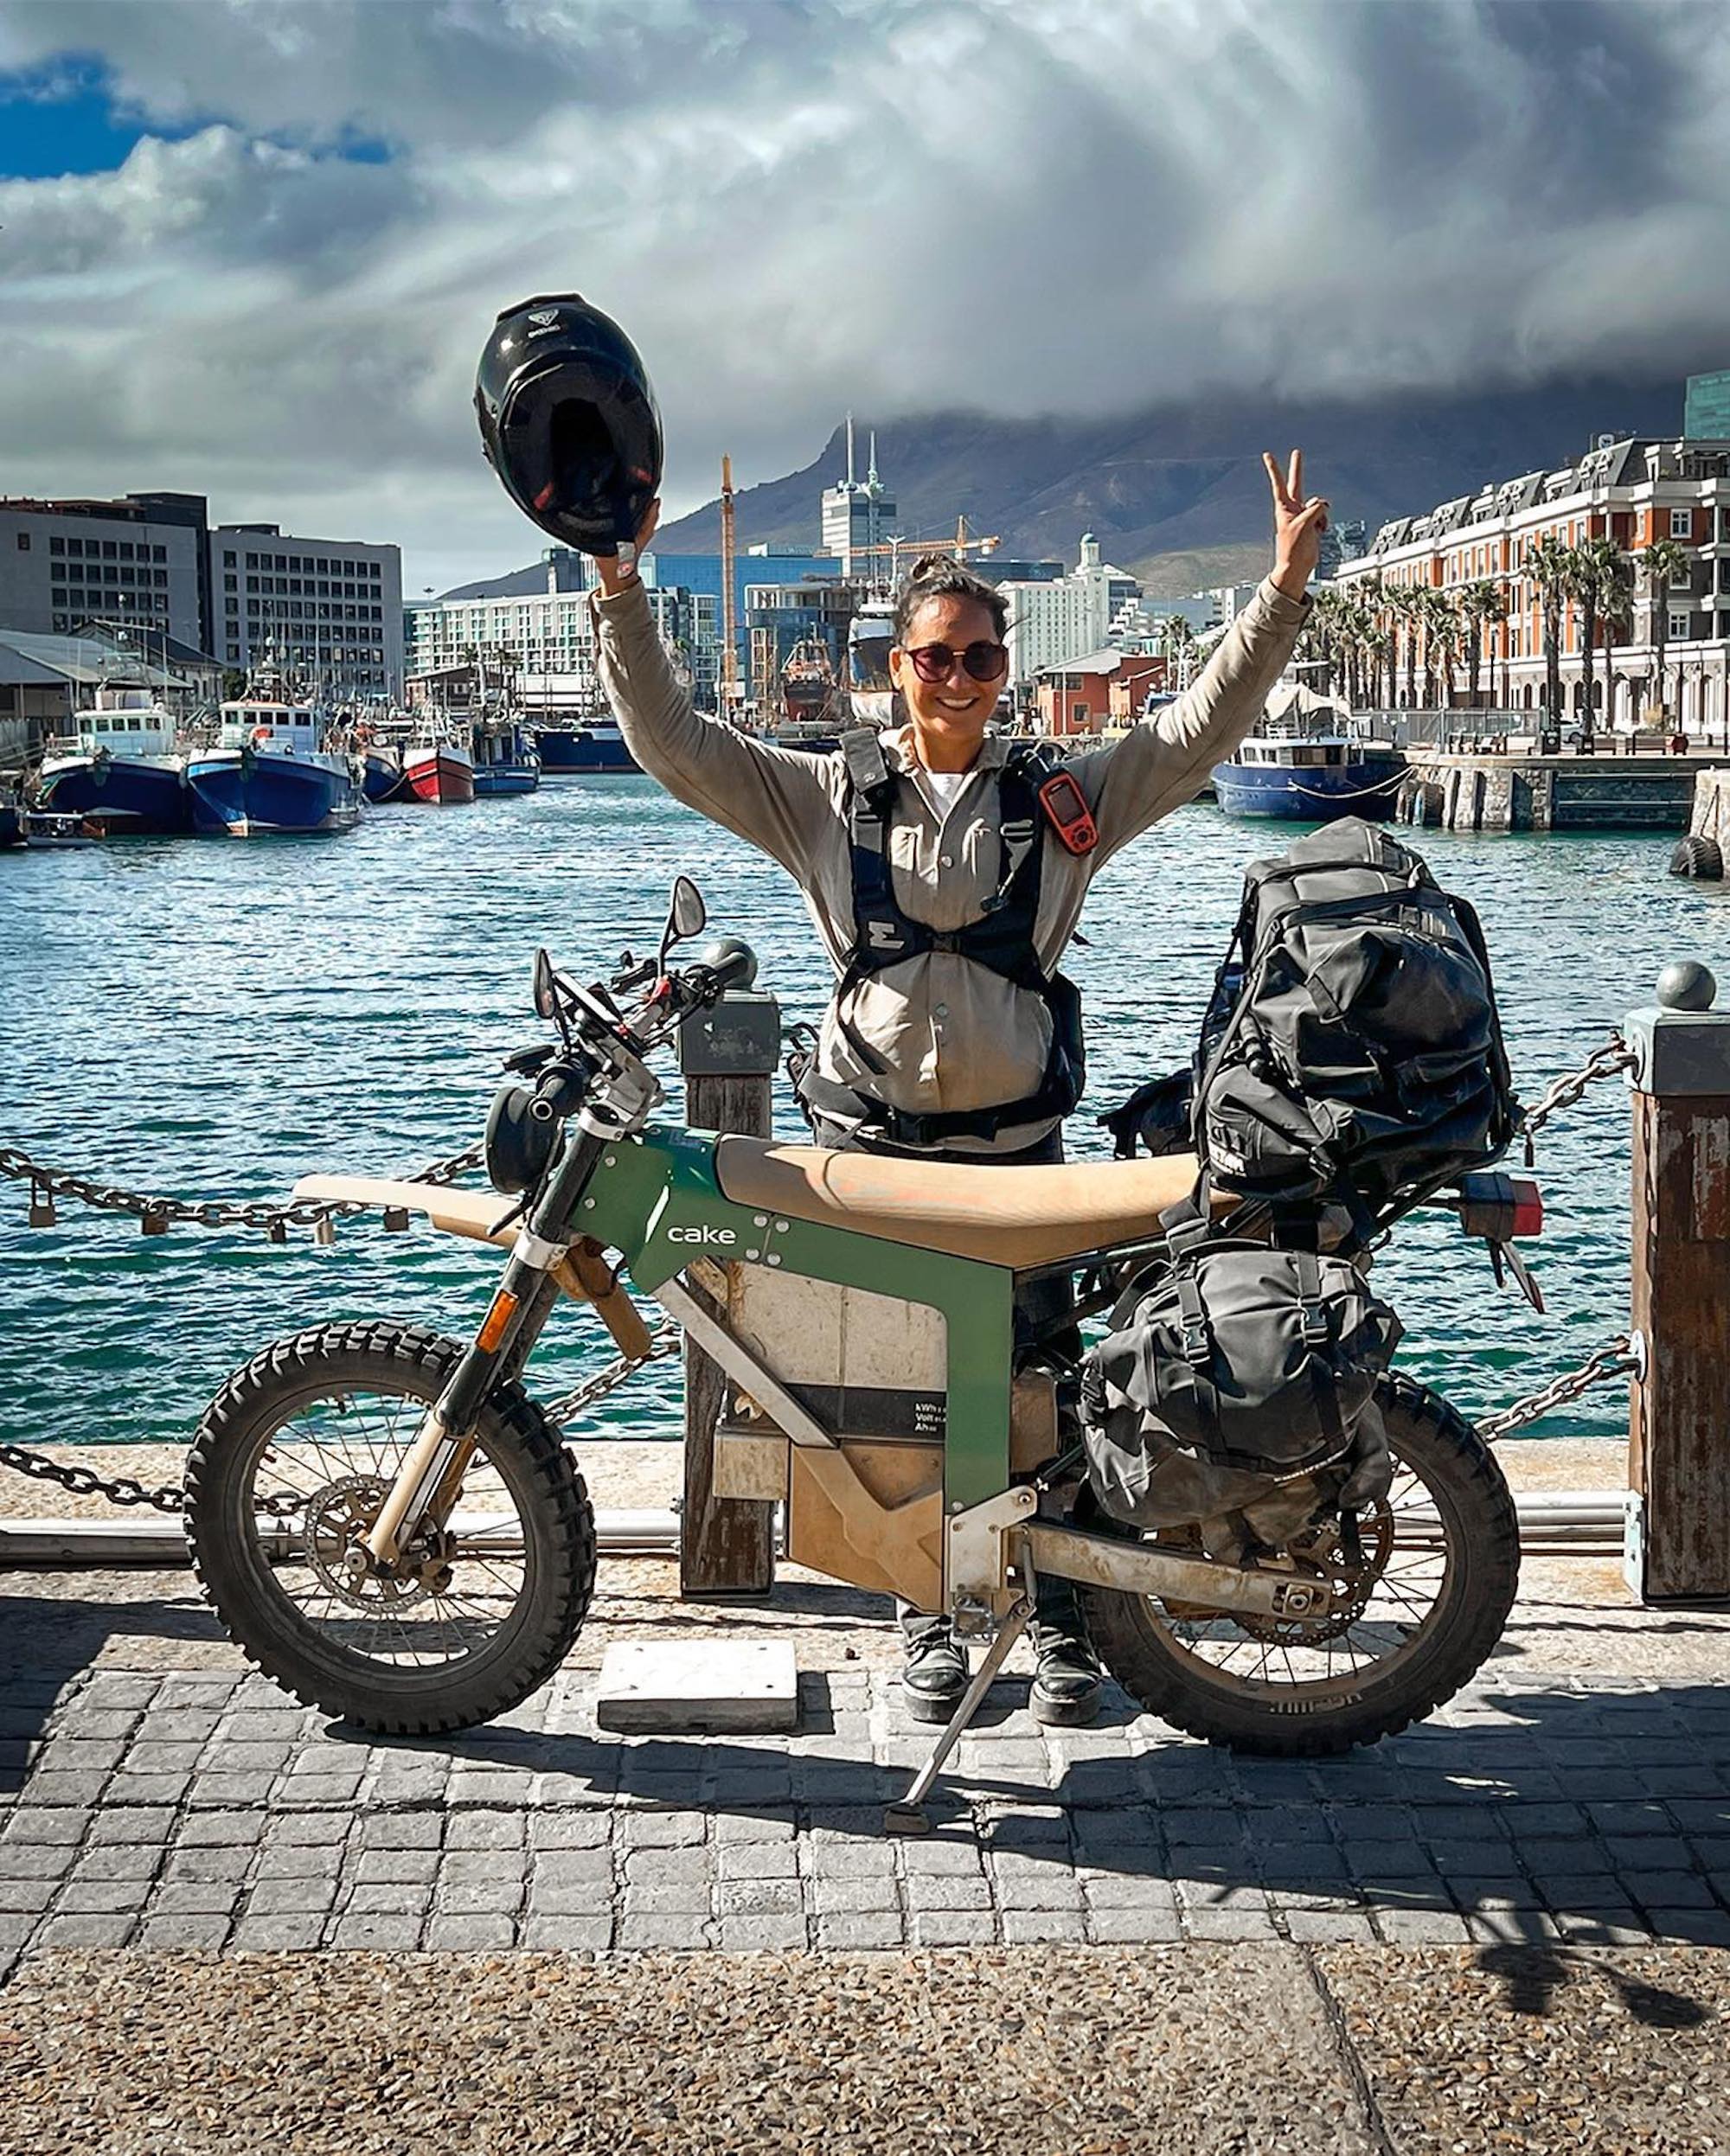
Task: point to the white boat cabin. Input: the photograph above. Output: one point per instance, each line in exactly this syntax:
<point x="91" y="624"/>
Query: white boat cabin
<point x="287" y="729"/>
<point x="125" y="722"/>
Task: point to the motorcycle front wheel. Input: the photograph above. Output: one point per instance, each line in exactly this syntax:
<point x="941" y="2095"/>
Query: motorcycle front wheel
<point x="290" y="1464"/>
<point x="1440" y="1562"/>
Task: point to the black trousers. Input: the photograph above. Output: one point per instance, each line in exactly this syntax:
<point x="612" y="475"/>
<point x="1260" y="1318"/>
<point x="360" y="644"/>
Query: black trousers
<point x="1041" y="1305"/>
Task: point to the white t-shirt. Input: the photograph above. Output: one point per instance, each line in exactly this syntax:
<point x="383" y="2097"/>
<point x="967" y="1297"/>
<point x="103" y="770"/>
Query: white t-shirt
<point x="942" y="788"/>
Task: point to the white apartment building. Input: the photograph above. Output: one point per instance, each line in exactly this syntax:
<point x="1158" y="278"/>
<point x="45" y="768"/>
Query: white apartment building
<point x="1631" y="491"/>
<point x="1051" y="624"/>
<point x="137" y="561"/>
<point x="328" y="613"/>
<point x="550" y="634"/>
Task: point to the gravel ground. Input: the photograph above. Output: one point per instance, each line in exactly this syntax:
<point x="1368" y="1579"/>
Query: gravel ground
<point x="1198" y="2051"/>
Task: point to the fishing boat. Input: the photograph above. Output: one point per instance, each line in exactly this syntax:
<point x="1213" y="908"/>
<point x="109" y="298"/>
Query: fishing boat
<point x="581" y="747"/>
<point x="382" y="776"/>
<point x="505" y="761"/>
<point x="439" y="766"/>
<point x="271" y="775"/>
<point x="11" y="825"/>
<point x="1309" y="761"/>
<point x="124" y="765"/>
<point x="42" y="831"/>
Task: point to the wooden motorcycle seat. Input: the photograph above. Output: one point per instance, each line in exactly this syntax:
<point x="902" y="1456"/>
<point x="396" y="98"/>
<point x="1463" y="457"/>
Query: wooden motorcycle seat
<point x="1015" y="1217"/>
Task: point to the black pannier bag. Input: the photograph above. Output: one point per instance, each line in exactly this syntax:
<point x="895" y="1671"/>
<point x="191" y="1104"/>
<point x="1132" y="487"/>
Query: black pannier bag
<point x="1239" y="1370"/>
<point x="1351" y="1051"/>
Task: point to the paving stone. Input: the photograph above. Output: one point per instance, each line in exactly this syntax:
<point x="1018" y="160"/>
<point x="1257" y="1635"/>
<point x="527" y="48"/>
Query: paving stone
<point x="850" y="1930"/>
<point x="86" y="1931"/>
<point x="676" y="1935"/>
<point x="1041" y="1927"/>
<point x="757" y="1860"/>
<point x="394" y="1899"/>
<point x="32" y="1822"/>
<point x="408" y="1778"/>
<point x="1422" y="1927"/>
<point x="130" y="1789"/>
<point x="196" y="1897"/>
<point x="315" y="1792"/>
<point x="16" y="1928"/>
<point x="1697" y="1926"/>
<point x="151" y="1758"/>
<point x="209" y="1864"/>
<point x="121" y="1860"/>
<point x="947" y="1889"/>
<point x="854" y="1897"/>
<point x="677" y="1897"/>
<point x="1669" y="1890"/>
<point x="475" y="1934"/>
<point x="748" y="1826"/>
<point x="175" y="1934"/>
<point x="377" y="1932"/>
<point x="496" y="1898"/>
<point x="276" y="1935"/>
<point x="952" y="1928"/>
<point x="1143" y="1924"/>
<point x="101" y="1897"/>
<point x="572" y="1830"/>
<point x="647" y="1867"/>
<point x="1128" y="1889"/>
<point x="761" y="1934"/>
<point x="1308" y="1927"/>
<point x="934" y="1854"/>
<point x="26" y="1897"/>
<point x="757" y="1897"/>
<point x="287" y="1860"/>
<point x="592" y="1867"/>
<point x="35" y="1861"/>
<point x="485" y="1829"/>
<point x="235" y="1830"/>
<point x="67" y="1754"/>
<point x="309" y="1830"/>
<point x="1513" y="1927"/>
<point x="155" y="1824"/>
<point x="662" y="1830"/>
<point x="378" y="1867"/>
<point x="292" y="1897"/>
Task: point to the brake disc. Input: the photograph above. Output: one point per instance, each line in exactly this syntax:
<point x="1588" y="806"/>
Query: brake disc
<point x="338" y="1517"/>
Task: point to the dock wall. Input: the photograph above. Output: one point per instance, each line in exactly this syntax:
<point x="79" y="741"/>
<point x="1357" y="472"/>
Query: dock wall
<point x="1711" y="814"/>
<point x="1551" y="793"/>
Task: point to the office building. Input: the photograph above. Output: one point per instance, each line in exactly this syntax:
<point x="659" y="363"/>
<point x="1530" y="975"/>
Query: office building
<point x="326" y="614"/>
<point x="1052" y="621"/>
<point x="137" y="561"/>
<point x="858" y="515"/>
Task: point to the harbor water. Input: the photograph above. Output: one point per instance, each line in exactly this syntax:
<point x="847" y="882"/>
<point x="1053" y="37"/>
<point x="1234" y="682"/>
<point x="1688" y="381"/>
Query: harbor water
<point x="212" y="1021"/>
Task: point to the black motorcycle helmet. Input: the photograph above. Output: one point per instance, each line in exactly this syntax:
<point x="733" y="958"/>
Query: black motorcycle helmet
<point x="569" y="421"/>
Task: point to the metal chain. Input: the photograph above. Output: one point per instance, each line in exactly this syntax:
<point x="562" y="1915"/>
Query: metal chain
<point x="156" y="1215"/>
<point x="1608" y="1061"/>
<point x="1614" y="1361"/>
<point x="663" y="1341"/>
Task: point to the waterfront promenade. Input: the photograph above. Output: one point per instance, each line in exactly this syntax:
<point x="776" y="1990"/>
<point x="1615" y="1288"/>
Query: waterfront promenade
<point x="1504" y="1929"/>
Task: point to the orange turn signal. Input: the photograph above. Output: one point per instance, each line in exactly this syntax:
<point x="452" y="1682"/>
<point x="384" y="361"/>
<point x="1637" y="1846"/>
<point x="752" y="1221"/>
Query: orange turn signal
<point x="492" y="1328"/>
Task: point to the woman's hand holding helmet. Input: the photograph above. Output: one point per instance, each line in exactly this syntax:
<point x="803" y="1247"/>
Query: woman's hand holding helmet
<point x="1298" y="525"/>
<point x="607" y="565"/>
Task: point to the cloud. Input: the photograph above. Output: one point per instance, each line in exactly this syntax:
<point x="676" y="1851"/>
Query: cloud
<point x="1079" y="206"/>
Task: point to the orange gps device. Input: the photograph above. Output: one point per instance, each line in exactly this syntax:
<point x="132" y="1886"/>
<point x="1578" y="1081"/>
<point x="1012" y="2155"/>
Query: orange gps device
<point x="1066" y="811"/>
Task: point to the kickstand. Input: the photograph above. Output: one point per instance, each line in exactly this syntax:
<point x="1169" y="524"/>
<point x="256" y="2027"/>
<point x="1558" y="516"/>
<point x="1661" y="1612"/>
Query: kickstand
<point x="908" y="1817"/>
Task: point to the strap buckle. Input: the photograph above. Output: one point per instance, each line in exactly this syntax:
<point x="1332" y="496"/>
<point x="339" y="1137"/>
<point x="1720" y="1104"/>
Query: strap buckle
<point x="1192" y="1338"/>
<point x="1316" y="1333"/>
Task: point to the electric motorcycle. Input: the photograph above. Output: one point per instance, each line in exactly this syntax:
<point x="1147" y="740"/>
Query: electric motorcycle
<point x="390" y="1527"/>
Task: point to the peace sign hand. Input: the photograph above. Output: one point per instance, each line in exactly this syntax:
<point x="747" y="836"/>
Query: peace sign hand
<point x="1298" y="525"/>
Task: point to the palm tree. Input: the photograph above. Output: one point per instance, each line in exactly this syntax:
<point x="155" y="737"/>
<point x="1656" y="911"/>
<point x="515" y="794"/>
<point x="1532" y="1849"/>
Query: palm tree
<point x="1404" y="603"/>
<point x="1320" y="641"/>
<point x="1178" y="639"/>
<point x="1549" y="564"/>
<point x="1440" y="624"/>
<point x="1666" y="561"/>
<point x="1599" y="571"/>
<point x="1479" y="605"/>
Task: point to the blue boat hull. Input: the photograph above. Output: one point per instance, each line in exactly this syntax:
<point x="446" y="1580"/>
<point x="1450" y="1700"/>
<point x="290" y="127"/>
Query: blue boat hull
<point x="240" y="794"/>
<point x="506" y="778"/>
<point x="1311" y="793"/>
<point x="572" y="751"/>
<point x="384" y="780"/>
<point x="130" y="797"/>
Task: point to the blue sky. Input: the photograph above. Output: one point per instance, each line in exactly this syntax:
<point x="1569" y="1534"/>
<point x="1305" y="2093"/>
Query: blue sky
<point x="66" y="118"/>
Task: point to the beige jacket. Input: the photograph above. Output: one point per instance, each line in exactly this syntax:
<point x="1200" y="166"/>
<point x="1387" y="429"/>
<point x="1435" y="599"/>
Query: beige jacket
<point x="955" y="1035"/>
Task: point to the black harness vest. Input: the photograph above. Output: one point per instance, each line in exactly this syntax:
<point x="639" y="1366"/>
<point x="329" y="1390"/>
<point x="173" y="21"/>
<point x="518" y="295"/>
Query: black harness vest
<point x="1002" y="939"/>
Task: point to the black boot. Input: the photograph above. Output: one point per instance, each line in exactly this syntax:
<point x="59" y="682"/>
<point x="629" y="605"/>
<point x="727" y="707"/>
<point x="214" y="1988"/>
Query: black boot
<point x="1067" y="1679"/>
<point x="934" y="1675"/>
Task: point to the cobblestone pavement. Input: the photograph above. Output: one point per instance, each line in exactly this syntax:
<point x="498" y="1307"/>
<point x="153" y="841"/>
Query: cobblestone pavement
<point x="168" y="1811"/>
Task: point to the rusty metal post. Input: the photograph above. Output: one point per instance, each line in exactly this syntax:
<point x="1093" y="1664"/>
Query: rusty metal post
<point x="1678" y="1546"/>
<point x="726" y="1546"/>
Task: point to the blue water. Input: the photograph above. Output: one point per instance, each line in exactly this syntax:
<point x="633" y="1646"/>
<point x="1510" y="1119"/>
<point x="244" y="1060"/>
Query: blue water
<point x="213" y="1020"/>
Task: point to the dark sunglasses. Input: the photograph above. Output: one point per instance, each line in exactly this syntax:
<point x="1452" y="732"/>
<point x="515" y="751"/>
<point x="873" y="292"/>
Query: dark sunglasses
<point x="984" y="661"/>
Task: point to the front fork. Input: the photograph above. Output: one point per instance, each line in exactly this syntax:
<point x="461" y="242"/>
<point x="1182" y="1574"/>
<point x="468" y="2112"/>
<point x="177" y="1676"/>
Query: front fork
<point x="431" y="1472"/>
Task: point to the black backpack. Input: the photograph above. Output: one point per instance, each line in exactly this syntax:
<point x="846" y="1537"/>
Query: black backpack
<point x="1351" y="1052"/>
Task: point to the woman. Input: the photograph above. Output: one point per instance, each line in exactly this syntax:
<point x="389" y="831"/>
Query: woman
<point x="945" y="877"/>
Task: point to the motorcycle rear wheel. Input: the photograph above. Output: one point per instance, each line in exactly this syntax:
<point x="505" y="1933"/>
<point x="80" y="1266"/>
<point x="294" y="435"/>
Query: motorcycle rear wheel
<point x="292" y="1462"/>
<point x="1433" y="1614"/>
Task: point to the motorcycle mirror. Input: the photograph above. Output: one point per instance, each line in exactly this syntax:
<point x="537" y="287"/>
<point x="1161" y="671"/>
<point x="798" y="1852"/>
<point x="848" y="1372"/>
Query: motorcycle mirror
<point x="686" y="916"/>
<point x="546" y="991"/>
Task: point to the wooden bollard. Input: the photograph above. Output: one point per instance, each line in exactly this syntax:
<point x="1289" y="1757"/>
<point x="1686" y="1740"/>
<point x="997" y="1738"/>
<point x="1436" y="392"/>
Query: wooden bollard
<point x="1679" y="1457"/>
<point x="726" y="1545"/>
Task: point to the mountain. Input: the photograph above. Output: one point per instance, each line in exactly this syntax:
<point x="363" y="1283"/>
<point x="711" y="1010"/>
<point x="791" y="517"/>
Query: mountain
<point x="1177" y="494"/>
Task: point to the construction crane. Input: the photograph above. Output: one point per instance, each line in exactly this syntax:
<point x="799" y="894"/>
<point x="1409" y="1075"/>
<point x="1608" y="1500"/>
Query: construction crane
<point x="961" y="545"/>
<point x="729" y="689"/>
